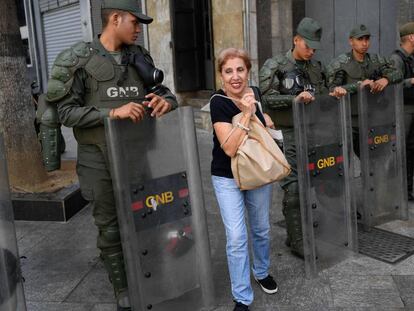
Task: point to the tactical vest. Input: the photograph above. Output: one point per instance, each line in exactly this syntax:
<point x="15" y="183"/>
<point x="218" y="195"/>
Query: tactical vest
<point x="108" y="85"/>
<point x="355" y="72"/>
<point x="314" y="76"/>
<point x="408" y="73"/>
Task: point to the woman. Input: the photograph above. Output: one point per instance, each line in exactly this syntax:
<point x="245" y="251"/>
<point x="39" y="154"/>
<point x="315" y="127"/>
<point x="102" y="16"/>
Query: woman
<point x="235" y="97"/>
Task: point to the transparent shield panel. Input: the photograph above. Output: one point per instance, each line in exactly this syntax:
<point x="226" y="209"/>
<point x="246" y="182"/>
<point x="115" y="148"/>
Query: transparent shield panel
<point x="11" y="287"/>
<point x="382" y="156"/>
<point x="161" y="212"/>
<point x="324" y="166"/>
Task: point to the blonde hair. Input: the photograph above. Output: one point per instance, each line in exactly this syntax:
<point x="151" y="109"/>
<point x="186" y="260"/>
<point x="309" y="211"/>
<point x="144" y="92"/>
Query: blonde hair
<point x="229" y="53"/>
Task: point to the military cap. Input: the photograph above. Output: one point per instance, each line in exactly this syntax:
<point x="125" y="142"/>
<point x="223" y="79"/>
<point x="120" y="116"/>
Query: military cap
<point x="130" y="6"/>
<point x="359" y="31"/>
<point x="311" y="31"/>
<point x="407" y="29"/>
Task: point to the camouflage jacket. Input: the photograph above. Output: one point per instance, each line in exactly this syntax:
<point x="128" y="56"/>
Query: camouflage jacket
<point x="277" y="105"/>
<point x="347" y="72"/>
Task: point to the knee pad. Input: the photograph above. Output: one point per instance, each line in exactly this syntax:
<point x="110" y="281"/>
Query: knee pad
<point x="109" y="238"/>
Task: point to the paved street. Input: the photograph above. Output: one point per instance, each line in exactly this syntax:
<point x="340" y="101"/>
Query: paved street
<point x="63" y="272"/>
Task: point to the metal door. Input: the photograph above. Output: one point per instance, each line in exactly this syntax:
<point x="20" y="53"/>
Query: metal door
<point x="338" y="17"/>
<point x="192" y="45"/>
<point x="62" y="28"/>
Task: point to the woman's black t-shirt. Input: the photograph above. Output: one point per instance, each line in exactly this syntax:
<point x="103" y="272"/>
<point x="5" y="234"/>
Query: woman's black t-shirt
<point x="223" y="110"/>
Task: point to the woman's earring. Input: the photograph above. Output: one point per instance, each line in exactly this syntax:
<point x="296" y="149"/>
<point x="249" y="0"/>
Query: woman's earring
<point x="222" y="83"/>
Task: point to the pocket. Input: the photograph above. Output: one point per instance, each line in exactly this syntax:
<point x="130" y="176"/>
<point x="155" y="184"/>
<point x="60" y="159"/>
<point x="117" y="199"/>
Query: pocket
<point x="223" y="184"/>
<point x="87" y="193"/>
<point x="84" y="184"/>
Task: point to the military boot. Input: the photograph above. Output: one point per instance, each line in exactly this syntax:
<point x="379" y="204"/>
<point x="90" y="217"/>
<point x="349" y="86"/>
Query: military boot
<point x="410" y="173"/>
<point x="114" y="264"/>
<point x="291" y="210"/>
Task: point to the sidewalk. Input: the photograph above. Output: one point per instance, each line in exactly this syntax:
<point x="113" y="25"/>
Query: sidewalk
<point x="63" y="272"/>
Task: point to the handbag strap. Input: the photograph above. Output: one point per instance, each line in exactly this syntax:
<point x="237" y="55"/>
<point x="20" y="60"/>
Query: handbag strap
<point x="254" y="117"/>
<point x="258" y="96"/>
<point x="234" y="128"/>
<point x="227" y="138"/>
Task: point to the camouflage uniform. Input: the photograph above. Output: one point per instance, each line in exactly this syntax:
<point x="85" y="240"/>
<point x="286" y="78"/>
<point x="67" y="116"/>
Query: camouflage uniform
<point x="405" y="63"/>
<point x="277" y="102"/>
<point x="86" y="83"/>
<point x="347" y="72"/>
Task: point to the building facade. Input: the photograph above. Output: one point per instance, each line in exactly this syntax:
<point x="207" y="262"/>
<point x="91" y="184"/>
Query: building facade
<point x="187" y="35"/>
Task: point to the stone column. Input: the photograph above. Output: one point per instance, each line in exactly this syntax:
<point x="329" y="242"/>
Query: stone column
<point x="281" y="11"/>
<point x="227" y="27"/>
<point x="274" y="25"/>
<point x="160" y="37"/>
<point x="251" y="45"/>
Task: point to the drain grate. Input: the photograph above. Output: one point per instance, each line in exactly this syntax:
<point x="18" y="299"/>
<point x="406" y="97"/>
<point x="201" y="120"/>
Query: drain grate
<point x="384" y="245"/>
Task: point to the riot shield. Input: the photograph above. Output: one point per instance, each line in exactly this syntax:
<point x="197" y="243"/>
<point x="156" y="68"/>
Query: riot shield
<point x="323" y="146"/>
<point x="382" y="145"/>
<point x="11" y="287"/>
<point x="157" y="184"/>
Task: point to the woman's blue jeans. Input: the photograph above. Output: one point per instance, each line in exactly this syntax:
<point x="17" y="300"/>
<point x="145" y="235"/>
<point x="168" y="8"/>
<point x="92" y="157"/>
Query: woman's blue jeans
<point x="233" y="203"/>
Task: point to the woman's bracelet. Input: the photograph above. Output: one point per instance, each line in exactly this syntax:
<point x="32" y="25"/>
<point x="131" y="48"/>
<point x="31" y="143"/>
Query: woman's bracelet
<point x="241" y="126"/>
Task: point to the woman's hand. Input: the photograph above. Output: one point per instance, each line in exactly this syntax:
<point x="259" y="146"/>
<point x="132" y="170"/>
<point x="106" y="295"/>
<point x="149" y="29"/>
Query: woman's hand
<point x="248" y="104"/>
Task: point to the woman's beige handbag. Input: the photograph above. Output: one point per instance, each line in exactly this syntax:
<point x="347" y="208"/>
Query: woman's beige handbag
<point x="258" y="160"/>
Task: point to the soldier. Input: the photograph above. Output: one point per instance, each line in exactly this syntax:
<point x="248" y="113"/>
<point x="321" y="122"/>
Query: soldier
<point x="403" y="60"/>
<point x="357" y="69"/>
<point x="109" y="77"/>
<point x="283" y="79"/>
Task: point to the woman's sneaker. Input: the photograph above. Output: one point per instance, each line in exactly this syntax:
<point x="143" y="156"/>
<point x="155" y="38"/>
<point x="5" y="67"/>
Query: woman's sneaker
<point x="268" y="285"/>
<point x="240" y="307"/>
